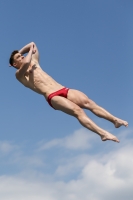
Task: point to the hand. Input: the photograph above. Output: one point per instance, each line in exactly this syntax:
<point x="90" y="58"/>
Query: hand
<point x="33" y="49"/>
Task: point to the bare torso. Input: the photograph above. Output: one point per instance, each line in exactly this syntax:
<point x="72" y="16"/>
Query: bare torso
<point x="39" y="81"/>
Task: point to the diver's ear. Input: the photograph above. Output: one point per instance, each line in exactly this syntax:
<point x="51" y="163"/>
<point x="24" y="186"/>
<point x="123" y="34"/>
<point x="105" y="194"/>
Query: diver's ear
<point x="14" y="64"/>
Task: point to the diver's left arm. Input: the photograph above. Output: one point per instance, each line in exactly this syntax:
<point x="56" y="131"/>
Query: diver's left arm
<point x="26" y="49"/>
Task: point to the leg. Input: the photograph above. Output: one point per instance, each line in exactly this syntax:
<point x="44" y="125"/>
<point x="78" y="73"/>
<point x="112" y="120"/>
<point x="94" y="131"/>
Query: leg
<point x="83" y="101"/>
<point x="63" y="104"/>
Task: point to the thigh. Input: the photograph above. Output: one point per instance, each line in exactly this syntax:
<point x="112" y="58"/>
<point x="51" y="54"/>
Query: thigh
<point x="78" y="97"/>
<point x="65" y="105"/>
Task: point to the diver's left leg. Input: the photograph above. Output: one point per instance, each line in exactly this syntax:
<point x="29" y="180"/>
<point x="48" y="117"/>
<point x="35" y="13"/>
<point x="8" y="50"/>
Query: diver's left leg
<point x="83" y="101"/>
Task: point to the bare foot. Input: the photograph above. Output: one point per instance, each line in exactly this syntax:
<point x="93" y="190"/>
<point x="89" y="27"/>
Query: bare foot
<point x="119" y="122"/>
<point x="109" y="136"/>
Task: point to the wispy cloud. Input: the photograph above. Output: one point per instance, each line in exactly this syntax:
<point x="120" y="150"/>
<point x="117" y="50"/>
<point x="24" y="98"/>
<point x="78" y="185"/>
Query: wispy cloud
<point x="72" y="165"/>
<point x="6" y="147"/>
<point x="79" y="140"/>
<point x="12" y="154"/>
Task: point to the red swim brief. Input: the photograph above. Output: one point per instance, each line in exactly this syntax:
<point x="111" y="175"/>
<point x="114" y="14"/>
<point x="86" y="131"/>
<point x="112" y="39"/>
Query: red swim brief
<point x="63" y="93"/>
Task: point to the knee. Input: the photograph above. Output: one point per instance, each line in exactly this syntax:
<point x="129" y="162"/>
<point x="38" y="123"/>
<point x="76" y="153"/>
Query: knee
<point x="89" y="104"/>
<point x="78" y="111"/>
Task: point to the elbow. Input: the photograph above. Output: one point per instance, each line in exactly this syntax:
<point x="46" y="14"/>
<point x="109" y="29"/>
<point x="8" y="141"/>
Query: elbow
<point x="32" y="43"/>
<point x="26" y="62"/>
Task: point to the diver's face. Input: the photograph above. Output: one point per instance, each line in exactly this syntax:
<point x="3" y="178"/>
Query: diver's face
<point x="18" y="60"/>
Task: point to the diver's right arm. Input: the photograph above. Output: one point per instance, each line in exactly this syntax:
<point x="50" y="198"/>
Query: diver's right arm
<point x="26" y="62"/>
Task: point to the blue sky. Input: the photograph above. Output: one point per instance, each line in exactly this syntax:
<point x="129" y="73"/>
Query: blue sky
<point x="85" y="45"/>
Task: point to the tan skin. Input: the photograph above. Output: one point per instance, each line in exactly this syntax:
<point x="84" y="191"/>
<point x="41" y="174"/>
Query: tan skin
<point x="30" y="74"/>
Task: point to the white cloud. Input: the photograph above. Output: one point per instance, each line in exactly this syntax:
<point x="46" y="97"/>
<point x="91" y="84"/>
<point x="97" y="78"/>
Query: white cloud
<point x="107" y="175"/>
<point x="72" y="165"/>
<point x="14" y="188"/>
<point x="111" y="178"/>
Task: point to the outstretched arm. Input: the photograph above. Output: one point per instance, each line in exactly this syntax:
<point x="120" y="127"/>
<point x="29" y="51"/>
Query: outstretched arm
<point x="26" y="49"/>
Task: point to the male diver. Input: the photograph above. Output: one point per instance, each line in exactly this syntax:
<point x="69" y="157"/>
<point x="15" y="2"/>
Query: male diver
<point x="70" y="101"/>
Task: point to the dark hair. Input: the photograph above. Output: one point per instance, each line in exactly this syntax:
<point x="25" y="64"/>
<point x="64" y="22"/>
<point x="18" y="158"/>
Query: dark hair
<point x="11" y="59"/>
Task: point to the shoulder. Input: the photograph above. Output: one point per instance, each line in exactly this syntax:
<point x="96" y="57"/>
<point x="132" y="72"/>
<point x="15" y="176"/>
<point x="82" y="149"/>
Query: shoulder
<point x="21" y="79"/>
<point x="17" y="74"/>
